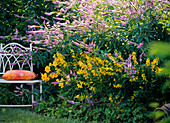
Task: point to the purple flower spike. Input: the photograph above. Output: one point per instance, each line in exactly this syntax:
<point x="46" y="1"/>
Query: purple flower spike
<point x="71" y="72"/>
<point x="115" y="54"/>
<point x="68" y="76"/>
<point x="106" y="55"/>
<point x="86" y="52"/>
<point x="54" y="82"/>
<point x="90" y="102"/>
<point x="2" y="37"/>
<point x="42" y="17"/>
<point x="72" y="102"/>
<point x="35" y="21"/>
<point x="17" y="88"/>
<point x="15" y="91"/>
<point x="16" y="15"/>
<point x="140" y="45"/>
<point x="21" y="86"/>
<point x="74" y="74"/>
<point x="16" y="32"/>
<point x="62" y="97"/>
<point x="28" y="20"/>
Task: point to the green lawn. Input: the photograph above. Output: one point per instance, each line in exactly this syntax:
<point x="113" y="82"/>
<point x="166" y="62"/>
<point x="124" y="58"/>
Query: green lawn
<point x="17" y="115"/>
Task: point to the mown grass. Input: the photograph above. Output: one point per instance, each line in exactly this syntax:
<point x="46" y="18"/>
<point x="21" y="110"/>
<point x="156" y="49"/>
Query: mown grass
<point x="17" y="115"/>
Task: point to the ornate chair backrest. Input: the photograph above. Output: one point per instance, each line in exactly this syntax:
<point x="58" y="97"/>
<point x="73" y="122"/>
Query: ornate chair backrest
<point x="15" y="56"/>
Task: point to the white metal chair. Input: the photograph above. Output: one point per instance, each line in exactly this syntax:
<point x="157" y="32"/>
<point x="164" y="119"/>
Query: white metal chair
<point x="11" y="57"/>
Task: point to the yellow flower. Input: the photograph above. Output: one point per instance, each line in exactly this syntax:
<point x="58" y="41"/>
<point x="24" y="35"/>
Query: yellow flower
<point x="110" y="98"/>
<point x="82" y="98"/>
<point x="154" y="63"/>
<point x="52" y="75"/>
<point x="133" y="53"/>
<point x="134" y="79"/>
<point x="47" y="69"/>
<point x="77" y="96"/>
<point x="50" y="64"/>
<point x="158" y="70"/>
<point x="117" y="86"/>
<point x="93" y="89"/>
<point x="71" y="51"/>
<point x="79" y="85"/>
<point x="44" y="76"/>
<point x="55" y="63"/>
<point x="132" y="98"/>
<point x="147" y="62"/>
<point x="73" y="56"/>
<point x="84" y="40"/>
<point x="61" y="85"/>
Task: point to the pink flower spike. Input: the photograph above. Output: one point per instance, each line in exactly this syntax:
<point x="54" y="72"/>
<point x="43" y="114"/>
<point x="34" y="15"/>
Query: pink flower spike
<point x="106" y="55"/>
<point x="115" y="54"/>
<point x="17" y="88"/>
<point x="16" y="32"/>
<point x="140" y="45"/>
<point x="15" y="91"/>
<point x="74" y="74"/>
<point x="21" y="86"/>
<point x="68" y="76"/>
<point x="71" y="72"/>
<point x="2" y="37"/>
<point x="75" y="43"/>
<point x="16" y="15"/>
<point x="55" y="82"/>
<point x="42" y="17"/>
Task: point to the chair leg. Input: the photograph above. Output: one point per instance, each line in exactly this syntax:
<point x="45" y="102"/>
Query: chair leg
<point x="32" y="96"/>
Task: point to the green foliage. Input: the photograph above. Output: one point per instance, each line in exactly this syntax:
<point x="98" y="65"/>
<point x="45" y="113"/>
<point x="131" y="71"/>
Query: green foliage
<point x="27" y="12"/>
<point x="121" y="93"/>
<point x="13" y="94"/>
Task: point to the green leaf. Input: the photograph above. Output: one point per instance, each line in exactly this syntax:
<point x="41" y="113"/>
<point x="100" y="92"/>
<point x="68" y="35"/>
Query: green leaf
<point x="154" y="104"/>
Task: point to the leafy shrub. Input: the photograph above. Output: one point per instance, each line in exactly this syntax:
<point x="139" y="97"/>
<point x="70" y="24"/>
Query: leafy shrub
<point x="103" y="73"/>
<point x="89" y="80"/>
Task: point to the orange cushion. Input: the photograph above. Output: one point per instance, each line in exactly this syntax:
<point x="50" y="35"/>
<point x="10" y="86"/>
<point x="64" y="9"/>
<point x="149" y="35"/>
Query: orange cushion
<point x="19" y="75"/>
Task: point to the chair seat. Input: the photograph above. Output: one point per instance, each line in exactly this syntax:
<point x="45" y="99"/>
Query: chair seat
<point x="19" y="81"/>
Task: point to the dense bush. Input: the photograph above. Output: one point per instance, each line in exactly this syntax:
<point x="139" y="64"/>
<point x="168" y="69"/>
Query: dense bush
<point x="101" y="67"/>
<point x="107" y="86"/>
